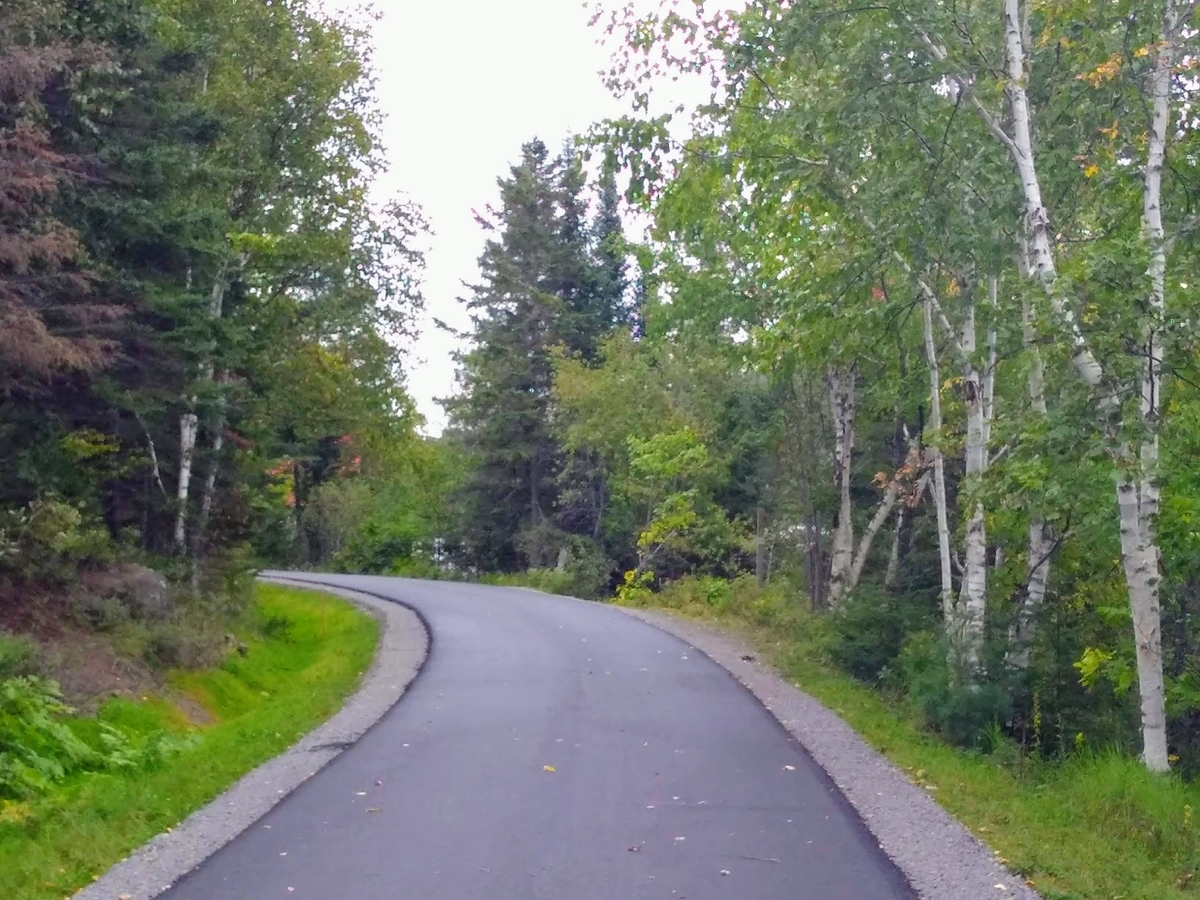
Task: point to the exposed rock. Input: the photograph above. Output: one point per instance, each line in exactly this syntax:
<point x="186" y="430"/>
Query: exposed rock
<point x="142" y="592"/>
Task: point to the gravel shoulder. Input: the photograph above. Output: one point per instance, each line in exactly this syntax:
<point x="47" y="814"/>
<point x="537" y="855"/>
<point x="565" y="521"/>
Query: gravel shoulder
<point x="938" y="856"/>
<point x="154" y="867"/>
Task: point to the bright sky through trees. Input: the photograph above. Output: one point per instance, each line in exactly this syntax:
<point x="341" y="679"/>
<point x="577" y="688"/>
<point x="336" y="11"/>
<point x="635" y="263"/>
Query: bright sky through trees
<point x="463" y="85"/>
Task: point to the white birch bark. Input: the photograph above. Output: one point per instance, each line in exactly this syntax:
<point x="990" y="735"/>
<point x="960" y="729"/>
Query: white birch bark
<point x="189" y="422"/>
<point x="864" y="547"/>
<point x="189" y="426"/>
<point x="938" y="465"/>
<point x="842" y="399"/>
<point x="210" y="481"/>
<point x="155" y="470"/>
<point x="1042" y="264"/>
<point x="972" y="606"/>
<point x="1138" y="494"/>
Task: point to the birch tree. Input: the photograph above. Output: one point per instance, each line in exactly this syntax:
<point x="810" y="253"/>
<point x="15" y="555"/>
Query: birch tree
<point x="1131" y="436"/>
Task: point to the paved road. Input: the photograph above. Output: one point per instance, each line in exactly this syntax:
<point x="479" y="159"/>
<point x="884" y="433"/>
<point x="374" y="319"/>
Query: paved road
<point x="670" y="780"/>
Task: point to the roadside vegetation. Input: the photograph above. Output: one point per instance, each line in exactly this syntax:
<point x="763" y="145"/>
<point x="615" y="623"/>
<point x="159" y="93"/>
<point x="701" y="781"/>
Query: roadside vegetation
<point x="903" y="377"/>
<point x="201" y="308"/>
<point x="1093" y="825"/>
<point x="80" y="790"/>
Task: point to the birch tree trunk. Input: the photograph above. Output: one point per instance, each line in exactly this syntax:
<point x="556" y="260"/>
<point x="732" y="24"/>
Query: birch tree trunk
<point x="864" y="547"/>
<point x="938" y="465"/>
<point x="206" y="499"/>
<point x="1138" y="494"/>
<point x="843" y="405"/>
<point x="189" y="422"/>
<point x="189" y="427"/>
<point x="972" y="605"/>
<point x="1137" y="491"/>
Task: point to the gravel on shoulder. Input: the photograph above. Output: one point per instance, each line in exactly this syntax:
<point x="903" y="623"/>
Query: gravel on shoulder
<point x="938" y="856"/>
<point x="153" y="868"/>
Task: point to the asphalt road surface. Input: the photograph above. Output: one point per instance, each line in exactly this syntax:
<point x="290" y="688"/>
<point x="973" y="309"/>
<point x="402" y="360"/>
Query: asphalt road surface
<point x="556" y="749"/>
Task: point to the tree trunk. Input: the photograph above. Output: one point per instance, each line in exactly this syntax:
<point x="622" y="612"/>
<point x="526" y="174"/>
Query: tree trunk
<point x="189" y="423"/>
<point x="189" y="426"/>
<point x="939" y="468"/>
<point x="842" y="397"/>
<point x="1138" y="498"/>
<point x="972" y="605"/>
<point x="206" y="498"/>
<point x="1139" y="557"/>
<point x="893" y="564"/>
<point x="864" y="547"/>
<point x="1137" y="494"/>
<point x="1037" y="219"/>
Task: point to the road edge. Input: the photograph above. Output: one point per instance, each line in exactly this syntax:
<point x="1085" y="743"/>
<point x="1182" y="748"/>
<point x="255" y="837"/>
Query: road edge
<point x="940" y="858"/>
<point x="154" y="867"/>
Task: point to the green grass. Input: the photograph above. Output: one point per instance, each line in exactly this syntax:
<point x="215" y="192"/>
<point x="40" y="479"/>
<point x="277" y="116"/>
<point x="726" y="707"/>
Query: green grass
<point x="305" y="656"/>
<point x="1094" y="827"/>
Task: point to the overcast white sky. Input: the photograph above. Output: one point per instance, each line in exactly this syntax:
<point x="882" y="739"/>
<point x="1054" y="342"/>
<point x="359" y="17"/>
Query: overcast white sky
<point x="463" y="85"/>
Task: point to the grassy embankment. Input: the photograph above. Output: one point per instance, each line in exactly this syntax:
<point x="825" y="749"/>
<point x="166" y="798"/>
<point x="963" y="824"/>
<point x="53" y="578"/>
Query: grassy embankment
<point x="305" y="654"/>
<point x="1094" y="827"/>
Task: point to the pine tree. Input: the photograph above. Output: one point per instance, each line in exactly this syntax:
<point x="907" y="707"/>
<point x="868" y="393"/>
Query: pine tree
<point x="614" y="307"/>
<point x="547" y="287"/>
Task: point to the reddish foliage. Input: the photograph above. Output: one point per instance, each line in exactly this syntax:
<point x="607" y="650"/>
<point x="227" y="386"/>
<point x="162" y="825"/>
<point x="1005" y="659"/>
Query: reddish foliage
<point x="50" y="319"/>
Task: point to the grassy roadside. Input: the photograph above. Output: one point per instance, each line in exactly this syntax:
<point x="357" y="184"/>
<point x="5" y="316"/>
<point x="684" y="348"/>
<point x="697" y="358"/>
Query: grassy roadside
<point x="1095" y="827"/>
<point x="306" y="653"/>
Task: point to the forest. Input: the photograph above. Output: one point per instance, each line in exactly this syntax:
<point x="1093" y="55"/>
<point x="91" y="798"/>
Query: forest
<point x="892" y="339"/>
<point x="201" y="303"/>
<point x="910" y="332"/>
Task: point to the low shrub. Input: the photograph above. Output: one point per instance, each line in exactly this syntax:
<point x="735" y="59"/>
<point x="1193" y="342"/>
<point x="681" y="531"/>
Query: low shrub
<point x="415" y="567"/>
<point x="49" y="540"/>
<point x="868" y="630"/>
<point x="188" y="640"/>
<point x="966" y="712"/>
<point x="18" y="656"/>
<point x="551" y="581"/>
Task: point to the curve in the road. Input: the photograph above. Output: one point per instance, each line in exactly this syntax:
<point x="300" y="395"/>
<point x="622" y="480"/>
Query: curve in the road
<point x="562" y="750"/>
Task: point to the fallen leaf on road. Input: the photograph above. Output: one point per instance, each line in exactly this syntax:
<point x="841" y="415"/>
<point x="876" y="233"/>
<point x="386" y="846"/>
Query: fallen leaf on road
<point x="681" y="839"/>
<point x="790" y="768"/>
<point x="549" y="769"/>
<point x="374" y="809"/>
<point x="747" y="658"/>
<point x="724" y="871"/>
<point x="634" y="849"/>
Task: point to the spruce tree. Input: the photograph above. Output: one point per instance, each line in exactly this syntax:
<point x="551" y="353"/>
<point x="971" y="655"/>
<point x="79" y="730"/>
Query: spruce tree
<point x="546" y="287"/>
